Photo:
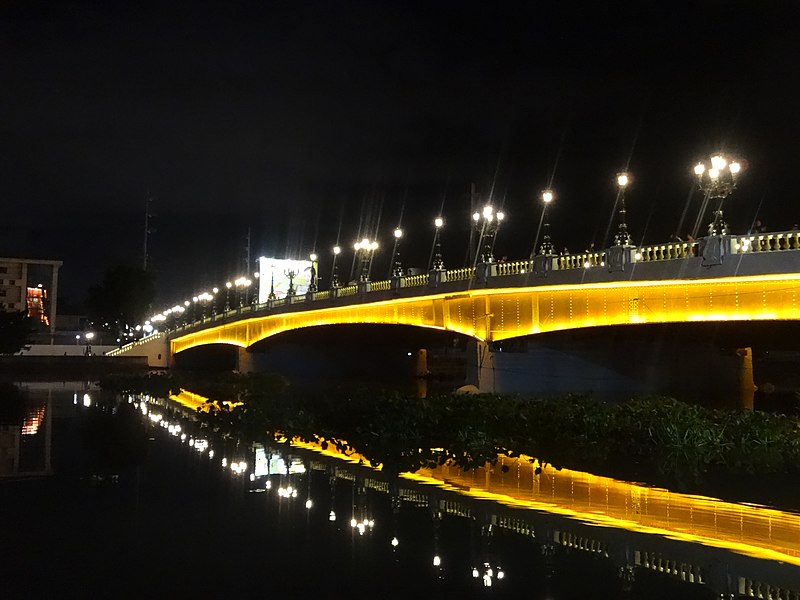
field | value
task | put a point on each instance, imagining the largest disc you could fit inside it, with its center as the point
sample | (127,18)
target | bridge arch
(503,313)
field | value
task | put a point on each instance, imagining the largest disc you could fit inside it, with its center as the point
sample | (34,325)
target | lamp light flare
(438,222)
(718,162)
(548,196)
(623,180)
(735,167)
(501,216)
(313,256)
(699,169)
(398,233)
(337,250)
(476,216)
(713,173)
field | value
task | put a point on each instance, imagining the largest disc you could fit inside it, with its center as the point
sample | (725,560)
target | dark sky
(285,116)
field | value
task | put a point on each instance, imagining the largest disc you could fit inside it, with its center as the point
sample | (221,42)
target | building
(30,285)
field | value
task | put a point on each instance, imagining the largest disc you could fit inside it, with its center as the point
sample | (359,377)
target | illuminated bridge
(715,279)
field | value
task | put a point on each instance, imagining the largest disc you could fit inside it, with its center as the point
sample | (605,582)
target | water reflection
(332,524)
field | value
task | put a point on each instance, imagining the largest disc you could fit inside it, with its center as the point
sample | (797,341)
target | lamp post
(436,251)
(337,250)
(487,222)
(546,249)
(365,248)
(312,280)
(215,291)
(228,286)
(291,274)
(718,179)
(397,268)
(623,238)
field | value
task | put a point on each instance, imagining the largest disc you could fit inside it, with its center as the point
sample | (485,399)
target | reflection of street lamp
(397,269)
(487,223)
(366,249)
(337,250)
(623,238)
(718,180)
(438,263)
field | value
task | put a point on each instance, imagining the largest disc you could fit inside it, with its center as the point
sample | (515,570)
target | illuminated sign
(275,274)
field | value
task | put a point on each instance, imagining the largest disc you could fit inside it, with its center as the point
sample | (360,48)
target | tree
(15,331)
(123,298)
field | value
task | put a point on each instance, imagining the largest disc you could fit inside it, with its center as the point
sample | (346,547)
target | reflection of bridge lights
(488,575)
(238,467)
(224,462)
(210,454)
(287,492)
(363,525)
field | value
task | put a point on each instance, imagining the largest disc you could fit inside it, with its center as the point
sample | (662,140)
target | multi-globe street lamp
(487,223)
(718,179)
(623,238)
(365,249)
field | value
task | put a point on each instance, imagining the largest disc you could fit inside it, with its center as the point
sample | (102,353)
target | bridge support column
(480,366)
(245,362)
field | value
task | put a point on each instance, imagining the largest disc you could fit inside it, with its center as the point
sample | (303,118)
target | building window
(3,293)
(3,269)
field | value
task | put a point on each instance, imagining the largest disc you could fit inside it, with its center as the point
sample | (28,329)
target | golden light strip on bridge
(502,313)
(747,529)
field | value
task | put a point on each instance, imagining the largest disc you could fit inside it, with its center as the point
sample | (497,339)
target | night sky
(288,118)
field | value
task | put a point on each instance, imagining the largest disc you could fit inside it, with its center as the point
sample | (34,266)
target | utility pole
(147,215)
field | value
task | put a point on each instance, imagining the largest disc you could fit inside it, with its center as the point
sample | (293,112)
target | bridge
(719,278)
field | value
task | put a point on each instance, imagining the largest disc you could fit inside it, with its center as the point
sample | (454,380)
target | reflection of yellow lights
(197,402)
(747,529)
(497,314)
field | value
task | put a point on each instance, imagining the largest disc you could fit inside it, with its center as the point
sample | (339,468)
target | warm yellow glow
(438,222)
(718,162)
(547,196)
(743,528)
(623,180)
(735,167)
(699,169)
(196,402)
(498,314)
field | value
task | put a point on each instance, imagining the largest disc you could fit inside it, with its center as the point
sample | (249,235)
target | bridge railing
(512,268)
(670,251)
(416,280)
(460,274)
(767,242)
(582,261)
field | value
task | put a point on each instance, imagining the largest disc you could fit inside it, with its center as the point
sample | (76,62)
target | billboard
(273,274)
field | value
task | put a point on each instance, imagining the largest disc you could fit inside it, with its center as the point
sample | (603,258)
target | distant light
(353,522)
(228,284)
(735,167)
(332,516)
(713,173)
(89,335)
(547,196)
(337,250)
(409,353)
(87,400)
(398,233)
(309,504)
(500,574)
(718,162)
(438,222)
(437,561)
(699,169)
(476,216)
(395,542)
(313,256)
(475,573)
(623,179)
(501,216)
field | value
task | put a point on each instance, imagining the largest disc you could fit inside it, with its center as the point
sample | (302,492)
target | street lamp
(438,263)
(718,179)
(366,249)
(228,286)
(546,249)
(487,222)
(312,283)
(337,250)
(397,269)
(623,238)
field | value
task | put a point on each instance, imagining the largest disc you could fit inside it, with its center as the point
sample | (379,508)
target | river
(126,496)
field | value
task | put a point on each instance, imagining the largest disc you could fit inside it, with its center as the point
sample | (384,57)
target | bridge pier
(615,369)
(245,361)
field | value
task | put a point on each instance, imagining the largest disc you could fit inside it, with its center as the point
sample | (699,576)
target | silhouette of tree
(15,331)
(123,298)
